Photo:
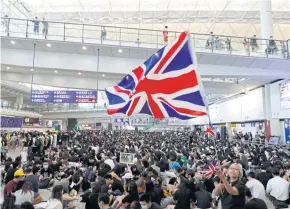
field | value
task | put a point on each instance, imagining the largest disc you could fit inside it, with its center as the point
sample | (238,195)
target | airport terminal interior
(145,104)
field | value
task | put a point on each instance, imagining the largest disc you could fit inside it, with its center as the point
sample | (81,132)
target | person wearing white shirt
(256,187)
(278,187)
(54,139)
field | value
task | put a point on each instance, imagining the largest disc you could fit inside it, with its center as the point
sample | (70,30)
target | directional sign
(63,96)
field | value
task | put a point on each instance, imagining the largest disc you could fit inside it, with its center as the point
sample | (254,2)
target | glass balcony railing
(134,37)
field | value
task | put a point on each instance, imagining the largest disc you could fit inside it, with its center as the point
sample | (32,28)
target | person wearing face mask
(104,201)
(46,176)
(146,202)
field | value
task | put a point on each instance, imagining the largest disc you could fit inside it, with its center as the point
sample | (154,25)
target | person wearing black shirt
(203,197)
(11,171)
(233,192)
(46,176)
(146,201)
(254,203)
(91,199)
(115,184)
(183,196)
(264,176)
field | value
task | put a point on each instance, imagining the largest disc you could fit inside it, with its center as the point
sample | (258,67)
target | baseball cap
(19,173)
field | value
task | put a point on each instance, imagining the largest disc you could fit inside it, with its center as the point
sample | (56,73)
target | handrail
(145,38)
(205,34)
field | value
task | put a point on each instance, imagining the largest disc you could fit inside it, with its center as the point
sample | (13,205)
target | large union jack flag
(166,85)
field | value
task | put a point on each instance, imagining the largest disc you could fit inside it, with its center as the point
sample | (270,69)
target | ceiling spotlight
(101,19)
(48,45)
(31,69)
(8,68)
(120,50)
(55,71)
(12,42)
(20,83)
(84,47)
(139,18)
(103,75)
(79,73)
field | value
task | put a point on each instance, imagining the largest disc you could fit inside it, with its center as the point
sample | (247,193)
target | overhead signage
(285,95)
(63,96)
(31,120)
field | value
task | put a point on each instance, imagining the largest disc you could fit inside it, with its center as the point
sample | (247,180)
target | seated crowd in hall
(180,170)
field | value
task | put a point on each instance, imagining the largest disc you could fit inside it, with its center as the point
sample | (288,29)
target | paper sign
(127,158)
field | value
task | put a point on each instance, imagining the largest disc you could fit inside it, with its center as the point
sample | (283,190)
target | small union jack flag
(209,131)
(208,172)
(166,85)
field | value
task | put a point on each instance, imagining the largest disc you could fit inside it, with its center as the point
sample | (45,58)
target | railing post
(249,47)
(120,38)
(83,32)
(26,28)
(267,47)
(230,45)
(288,49)
(64,31)
(157,39)
(8,29)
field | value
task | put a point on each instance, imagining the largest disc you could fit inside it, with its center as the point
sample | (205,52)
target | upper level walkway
(144,38)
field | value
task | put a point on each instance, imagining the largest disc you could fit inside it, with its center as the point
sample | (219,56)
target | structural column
(229,130)
(272,125)
(266,20)
(19,101)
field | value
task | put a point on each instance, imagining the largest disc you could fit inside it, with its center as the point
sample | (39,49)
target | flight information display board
(285,95)
(63,96)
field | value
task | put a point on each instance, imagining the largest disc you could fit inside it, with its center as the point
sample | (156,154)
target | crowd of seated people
(170,170)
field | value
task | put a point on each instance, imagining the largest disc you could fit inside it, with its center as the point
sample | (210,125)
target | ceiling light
(8,68)
(12,42)
(103,75)
(139,18)
(20,83)
(120,50)
(31,69)
(101,19)
(84,47)
(55,71)
(79,73)
(48,45)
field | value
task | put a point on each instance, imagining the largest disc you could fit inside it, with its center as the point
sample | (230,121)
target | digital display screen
(285,95)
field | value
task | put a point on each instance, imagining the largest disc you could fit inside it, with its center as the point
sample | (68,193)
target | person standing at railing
(272,46)
(253,43)
(246,45)
(45,28)
(165,35)
(5,23)
(228,44)
(103,33)
(36,26)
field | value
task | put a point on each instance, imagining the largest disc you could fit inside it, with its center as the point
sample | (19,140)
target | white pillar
(274,123)
(229,130)
(19,101)
(266,21)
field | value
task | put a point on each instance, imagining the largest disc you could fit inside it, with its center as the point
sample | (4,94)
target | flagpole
(201,88)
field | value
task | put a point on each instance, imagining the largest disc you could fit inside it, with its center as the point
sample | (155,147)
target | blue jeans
(167,201)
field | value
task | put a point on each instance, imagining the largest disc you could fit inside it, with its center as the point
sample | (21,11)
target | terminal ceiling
(224,17)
